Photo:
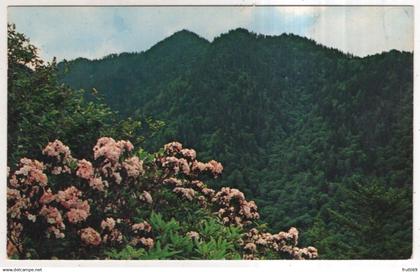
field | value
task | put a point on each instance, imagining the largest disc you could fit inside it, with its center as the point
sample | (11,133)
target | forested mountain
(319,139)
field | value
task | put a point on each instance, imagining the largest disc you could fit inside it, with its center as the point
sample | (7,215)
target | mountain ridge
(185,32)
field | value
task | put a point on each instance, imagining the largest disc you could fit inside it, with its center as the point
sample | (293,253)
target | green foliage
(218,242)
(41,109)
(215,241)
(367,212)
(127,253)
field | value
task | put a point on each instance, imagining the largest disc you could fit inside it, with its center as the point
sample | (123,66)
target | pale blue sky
(93,32)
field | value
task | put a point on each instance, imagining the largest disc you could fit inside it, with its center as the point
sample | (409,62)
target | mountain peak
(185,33)
(240,30)
(237,33)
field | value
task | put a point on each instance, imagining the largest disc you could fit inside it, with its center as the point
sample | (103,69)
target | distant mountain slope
(130,80)
(295,124)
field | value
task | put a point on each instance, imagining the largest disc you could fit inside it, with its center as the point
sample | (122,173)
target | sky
(94,32)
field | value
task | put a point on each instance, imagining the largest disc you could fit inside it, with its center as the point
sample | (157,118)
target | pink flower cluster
(146,197)
(110,234)
(60,157)
(282,242)
(187,193)
(108,223)
(143,226)
(111,150)
(55,220)
(172,148)
(212,167)
(183,160)
(57,150)
(31,172)
(47,197)
(78,209)
(234,208)
(142,235)
(189,154)
(133,167)
(90,236)
(98,184)
(191,190)
(175,165)
(173,182)
(17,203)
(85,171)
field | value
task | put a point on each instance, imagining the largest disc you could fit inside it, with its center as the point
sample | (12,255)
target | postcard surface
(210,132)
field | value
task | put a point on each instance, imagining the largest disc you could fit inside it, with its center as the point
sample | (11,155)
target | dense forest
(319,139)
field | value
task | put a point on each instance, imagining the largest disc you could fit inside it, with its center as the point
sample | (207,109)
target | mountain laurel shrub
(127,204)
